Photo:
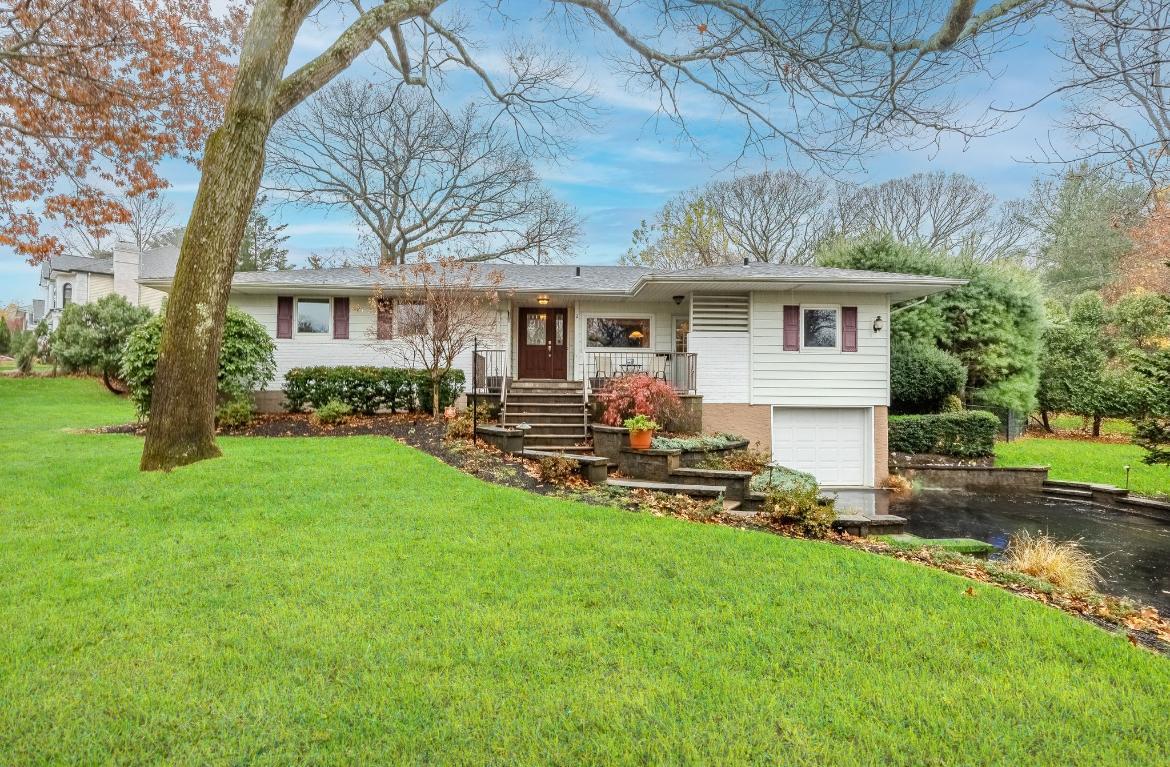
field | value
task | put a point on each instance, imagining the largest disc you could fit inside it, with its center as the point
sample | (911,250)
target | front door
(543,351)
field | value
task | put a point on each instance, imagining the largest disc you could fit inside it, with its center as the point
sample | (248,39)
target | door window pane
(682,326)
(610,332)
(536,332)
(820,328)
(560,330)
(313,315)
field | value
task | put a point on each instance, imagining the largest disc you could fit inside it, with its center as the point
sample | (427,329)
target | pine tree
(262,248)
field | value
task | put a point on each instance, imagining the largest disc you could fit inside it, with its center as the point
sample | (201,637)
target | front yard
(352,600)
(1086,461)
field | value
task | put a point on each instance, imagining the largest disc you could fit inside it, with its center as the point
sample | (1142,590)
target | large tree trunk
(1044,420)
(181,429)
(1096,426)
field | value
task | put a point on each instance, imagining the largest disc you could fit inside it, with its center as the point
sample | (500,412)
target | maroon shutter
(284,311)
(385,318)
(341,317)
(848,328)
(791,328)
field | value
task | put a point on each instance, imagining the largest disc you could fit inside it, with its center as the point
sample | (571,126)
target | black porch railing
(491,371)
(675,368)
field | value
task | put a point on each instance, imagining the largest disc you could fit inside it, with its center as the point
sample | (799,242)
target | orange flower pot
(640,440)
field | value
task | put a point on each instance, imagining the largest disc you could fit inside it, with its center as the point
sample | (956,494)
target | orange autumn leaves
(93,95)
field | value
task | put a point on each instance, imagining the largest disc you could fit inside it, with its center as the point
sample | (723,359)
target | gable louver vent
(720,314)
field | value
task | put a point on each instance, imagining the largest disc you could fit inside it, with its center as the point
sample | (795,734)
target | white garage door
(829,443)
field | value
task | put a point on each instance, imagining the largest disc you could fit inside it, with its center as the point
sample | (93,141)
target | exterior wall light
(542,300)
(678,300)
(878,324)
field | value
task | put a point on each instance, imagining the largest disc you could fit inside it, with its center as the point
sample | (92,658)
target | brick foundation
(881,444)
(752,422)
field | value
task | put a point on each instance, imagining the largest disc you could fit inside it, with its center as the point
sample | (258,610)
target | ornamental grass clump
(1064,564)
(629,396)
(800,505)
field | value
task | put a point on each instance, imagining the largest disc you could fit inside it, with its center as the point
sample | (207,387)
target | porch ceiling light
(878,324)
(678,299)
(542,300)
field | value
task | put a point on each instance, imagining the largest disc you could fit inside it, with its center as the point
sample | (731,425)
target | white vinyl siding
(100,286)
(152,299)
(361,348)
(820,377)
(722,373)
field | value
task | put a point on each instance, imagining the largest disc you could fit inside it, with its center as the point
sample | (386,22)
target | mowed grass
(353,601)
(1084,461)
(1067,422)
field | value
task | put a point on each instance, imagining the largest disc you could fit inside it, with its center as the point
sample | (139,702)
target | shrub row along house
(795,358)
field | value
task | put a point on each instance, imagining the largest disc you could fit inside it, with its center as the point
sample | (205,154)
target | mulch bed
(1077,435)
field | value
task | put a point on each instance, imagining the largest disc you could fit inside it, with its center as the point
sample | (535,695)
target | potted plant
(641,431)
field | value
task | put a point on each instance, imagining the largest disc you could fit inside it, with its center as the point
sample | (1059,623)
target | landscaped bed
(354,600)
(1087,461)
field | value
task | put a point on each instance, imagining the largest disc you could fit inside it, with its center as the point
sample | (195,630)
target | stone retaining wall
(990,478)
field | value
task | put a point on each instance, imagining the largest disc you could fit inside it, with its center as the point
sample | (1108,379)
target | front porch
(492,370)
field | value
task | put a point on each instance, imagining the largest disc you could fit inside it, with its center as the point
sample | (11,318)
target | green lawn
(350,601)
(1075,423)
(1083,461)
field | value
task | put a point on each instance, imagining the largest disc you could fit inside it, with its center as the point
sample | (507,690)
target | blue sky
(632,164)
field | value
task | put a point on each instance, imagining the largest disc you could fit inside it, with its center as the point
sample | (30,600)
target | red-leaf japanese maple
(93,94)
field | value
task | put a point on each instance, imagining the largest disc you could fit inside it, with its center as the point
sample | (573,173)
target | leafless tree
(1116,87)
(777,216)
(151,218)
(430,312)
(943,211)
(826,78)
(419,178)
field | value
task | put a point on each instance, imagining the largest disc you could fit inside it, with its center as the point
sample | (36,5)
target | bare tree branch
(420,180)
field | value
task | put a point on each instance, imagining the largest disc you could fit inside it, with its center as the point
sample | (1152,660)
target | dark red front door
(543,350)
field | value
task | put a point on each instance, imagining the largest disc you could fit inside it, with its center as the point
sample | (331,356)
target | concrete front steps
(555,411)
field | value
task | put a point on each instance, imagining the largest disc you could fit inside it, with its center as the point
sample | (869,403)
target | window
(819,328)
(536,330)
(66,294)
(610,332)
(410,319)
(682,326)
(312,315)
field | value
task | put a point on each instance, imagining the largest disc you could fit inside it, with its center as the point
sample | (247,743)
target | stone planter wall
(609,440)
(505,439)
(655,465)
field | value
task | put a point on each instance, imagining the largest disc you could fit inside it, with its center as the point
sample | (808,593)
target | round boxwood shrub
(246,358)
(922,377)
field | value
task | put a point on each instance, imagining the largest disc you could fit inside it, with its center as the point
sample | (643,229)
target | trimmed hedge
(367,389)
(969,434)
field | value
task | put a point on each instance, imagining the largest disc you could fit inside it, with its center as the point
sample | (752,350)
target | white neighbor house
(77,279)
(795,358)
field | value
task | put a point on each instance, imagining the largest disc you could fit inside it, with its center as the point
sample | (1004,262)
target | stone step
(546,436)
(1068,492)
(544,400)
(563,449)
(697,491)
(537,419)
(1065,483)
(559,386)
(553,429)
(730,505)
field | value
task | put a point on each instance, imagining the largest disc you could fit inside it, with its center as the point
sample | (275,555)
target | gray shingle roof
(159,263)
(82,264)
(549,277)
(560,278)
(761,270)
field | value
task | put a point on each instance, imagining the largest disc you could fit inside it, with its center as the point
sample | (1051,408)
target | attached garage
(832,444)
